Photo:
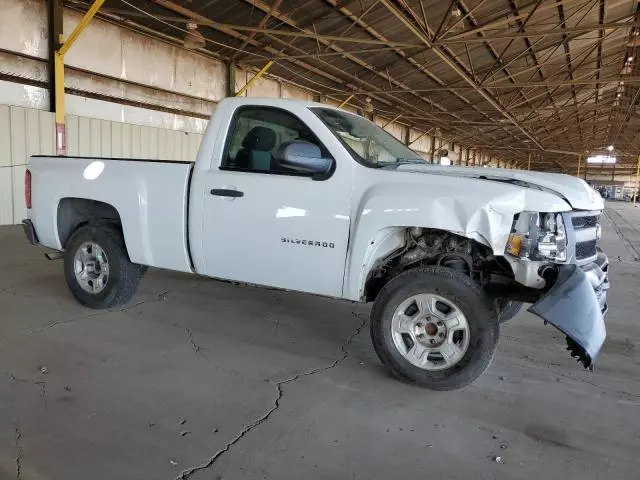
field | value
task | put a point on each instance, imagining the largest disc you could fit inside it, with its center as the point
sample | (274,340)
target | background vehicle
(305,197)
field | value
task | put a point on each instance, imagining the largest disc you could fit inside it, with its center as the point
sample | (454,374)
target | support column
(529,162)
(579,164)
(59,106)
(407,136)
(58,72)
(635,194)
(55,34)
(231,79)
(433,148)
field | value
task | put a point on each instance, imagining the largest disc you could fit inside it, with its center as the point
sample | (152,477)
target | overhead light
(630,59)
(193,39)
(610,148)
(601,159)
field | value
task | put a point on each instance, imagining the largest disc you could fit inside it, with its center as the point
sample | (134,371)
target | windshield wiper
(404,161)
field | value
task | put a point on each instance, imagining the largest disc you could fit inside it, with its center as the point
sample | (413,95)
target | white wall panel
(19,208)
(23,24)
(264,87)
(6,195)
(296,93)
(199,76)
(25,132)
(5,136)
(421,144)
(98,49)
(18,130)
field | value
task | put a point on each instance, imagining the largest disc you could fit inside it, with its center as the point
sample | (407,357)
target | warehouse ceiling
(550,78)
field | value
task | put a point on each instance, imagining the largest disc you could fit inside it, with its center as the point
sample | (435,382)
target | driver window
(259,136)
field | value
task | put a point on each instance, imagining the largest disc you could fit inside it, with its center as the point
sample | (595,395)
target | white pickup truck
(302,196)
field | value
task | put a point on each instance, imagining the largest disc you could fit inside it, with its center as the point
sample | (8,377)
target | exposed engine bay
(424,246)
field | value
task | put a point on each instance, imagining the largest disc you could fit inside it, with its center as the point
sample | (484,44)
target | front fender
(390,201)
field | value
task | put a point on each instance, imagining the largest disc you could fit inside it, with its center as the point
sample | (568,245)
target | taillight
(27,188)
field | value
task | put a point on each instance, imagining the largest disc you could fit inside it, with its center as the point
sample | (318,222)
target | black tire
(476,306)
(509,309)
(123,278)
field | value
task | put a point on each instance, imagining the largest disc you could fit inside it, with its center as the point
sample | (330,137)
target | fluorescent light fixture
(610,148)
(601,159)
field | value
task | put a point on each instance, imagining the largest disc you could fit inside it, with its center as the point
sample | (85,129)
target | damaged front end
(565,275)
(576,304)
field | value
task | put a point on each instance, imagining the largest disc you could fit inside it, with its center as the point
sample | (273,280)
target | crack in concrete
(39,383)
(196,348)
(17,440)
(186,474)
(160,296)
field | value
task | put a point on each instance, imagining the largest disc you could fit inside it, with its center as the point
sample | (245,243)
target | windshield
(367,142)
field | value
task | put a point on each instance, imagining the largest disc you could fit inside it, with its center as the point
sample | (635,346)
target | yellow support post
(347,100)
(61,126)
(579,163)
(68,43)
(391,121)
(635,194)
(254,78)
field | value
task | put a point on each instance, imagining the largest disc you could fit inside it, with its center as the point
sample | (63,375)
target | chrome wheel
(430,331)
(91,267)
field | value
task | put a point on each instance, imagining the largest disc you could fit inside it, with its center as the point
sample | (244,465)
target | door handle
(227,192)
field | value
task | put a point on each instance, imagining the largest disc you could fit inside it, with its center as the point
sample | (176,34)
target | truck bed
(149,196)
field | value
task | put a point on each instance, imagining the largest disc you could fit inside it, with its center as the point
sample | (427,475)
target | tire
(118,280)
(509,310)
(453,291)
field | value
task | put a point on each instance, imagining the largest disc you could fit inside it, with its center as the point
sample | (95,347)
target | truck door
(265,221)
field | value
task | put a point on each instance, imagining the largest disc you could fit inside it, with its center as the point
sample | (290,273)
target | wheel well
(73,213)
(428,246)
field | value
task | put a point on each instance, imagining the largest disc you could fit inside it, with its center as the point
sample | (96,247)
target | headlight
(538,236)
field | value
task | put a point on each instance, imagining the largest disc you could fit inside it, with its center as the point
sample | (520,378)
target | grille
(584,222)
(586,249)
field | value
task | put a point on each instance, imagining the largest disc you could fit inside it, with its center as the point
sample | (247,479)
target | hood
(572,189)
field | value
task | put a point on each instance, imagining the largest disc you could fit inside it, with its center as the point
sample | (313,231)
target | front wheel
(434,327)
(97,267)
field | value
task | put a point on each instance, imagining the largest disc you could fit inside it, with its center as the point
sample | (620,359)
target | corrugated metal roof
(503,75)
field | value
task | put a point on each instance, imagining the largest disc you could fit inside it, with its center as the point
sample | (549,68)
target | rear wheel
(97,268)
(434,327)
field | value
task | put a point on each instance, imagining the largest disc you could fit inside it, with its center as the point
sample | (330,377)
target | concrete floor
(242,383)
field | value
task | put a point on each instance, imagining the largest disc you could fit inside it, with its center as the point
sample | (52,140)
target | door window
(259,136)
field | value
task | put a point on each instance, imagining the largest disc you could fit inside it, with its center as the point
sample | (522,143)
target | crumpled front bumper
(576,305)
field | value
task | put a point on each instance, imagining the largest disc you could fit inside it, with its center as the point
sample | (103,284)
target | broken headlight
(538,236)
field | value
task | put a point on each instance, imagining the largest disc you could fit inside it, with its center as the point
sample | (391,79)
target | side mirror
(304,157)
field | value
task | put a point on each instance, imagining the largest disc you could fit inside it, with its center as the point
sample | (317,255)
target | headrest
(260,138)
